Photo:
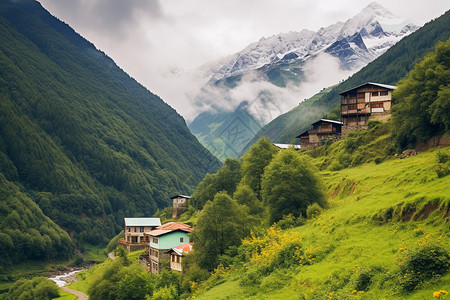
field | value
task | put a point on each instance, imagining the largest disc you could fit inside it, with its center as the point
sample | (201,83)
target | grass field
(378,214)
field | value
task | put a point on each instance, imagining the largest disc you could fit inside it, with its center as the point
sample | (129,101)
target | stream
(65,278)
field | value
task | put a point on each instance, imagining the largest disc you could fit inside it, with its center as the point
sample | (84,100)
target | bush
(442,167)
(313,211)
(378,160)
(423,263)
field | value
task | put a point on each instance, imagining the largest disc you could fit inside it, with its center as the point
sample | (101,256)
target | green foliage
(389,68)
(134,286)
(290,221)
(38,288)
(442,167)
(114,242)
(244,195)
(423,263)
(289,185)
(313,211)
(221,224)
(86,142)
(420,103)
(374,144)
(254,163)
(226,179)
(25,232)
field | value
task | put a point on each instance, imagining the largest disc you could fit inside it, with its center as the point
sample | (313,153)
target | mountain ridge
(79,136)
(271,74)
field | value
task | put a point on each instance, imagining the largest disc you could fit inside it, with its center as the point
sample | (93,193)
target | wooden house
(162,239)
(359,105)
(135,229)
(321,130)
(179,203)
(176,255)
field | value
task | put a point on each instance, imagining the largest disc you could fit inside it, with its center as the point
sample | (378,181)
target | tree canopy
(221,224)
(421,103)
(289,185)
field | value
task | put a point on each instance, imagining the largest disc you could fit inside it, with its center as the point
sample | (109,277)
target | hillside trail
(80,295)
(111,256)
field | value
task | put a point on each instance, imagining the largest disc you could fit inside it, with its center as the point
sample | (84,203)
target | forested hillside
(388,69)
(80,138)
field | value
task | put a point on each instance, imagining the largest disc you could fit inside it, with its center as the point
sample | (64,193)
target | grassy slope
(350,240)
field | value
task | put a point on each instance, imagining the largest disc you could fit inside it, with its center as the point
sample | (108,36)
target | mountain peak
(377,9)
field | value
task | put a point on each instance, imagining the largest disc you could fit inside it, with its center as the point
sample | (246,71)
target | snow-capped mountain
(355,42)
(271,76)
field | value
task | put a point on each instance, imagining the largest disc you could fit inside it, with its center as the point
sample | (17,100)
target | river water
(65,278)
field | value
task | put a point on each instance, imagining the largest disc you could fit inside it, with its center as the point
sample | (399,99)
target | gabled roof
(142,222)
(170,227)
(328,121)
(181,196)
(183,248)
(386,86)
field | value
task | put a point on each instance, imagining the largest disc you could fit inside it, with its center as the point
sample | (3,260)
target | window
(129,229)
(374,94)
(178,259)
(384,93)
(135,229)
(351,106)
(376,105)
(181,240)
(155,240)
(141,229)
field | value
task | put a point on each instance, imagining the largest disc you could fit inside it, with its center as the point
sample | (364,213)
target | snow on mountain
(362,38)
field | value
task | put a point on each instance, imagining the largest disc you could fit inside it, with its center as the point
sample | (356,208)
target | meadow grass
(377,213)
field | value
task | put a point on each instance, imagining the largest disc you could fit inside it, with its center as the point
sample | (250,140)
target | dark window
(155,240)
(181,240)
(374,94)
(142,229)
(384,93)
(376,105)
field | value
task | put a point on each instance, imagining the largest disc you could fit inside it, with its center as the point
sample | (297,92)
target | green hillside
(356,248)
(388,69)
(79,137)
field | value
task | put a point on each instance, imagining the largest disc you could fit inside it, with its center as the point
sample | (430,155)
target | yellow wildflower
(442,292)
(354,292)
(436,295)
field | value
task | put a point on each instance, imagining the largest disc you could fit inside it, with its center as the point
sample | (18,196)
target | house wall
(135,231)
(179,204)
(175,262)
(169,240)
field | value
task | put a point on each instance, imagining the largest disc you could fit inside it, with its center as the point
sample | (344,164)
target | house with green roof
(134,232)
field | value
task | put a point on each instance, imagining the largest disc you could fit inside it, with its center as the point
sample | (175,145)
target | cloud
(264,100)
(160,42)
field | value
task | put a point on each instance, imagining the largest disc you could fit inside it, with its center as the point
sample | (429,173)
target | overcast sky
(159,41)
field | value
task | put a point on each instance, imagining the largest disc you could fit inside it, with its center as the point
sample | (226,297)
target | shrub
(423,263)
(378,160)
(442,167)
(313,211)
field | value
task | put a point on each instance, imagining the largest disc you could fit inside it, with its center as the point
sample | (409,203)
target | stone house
(134,232)
(321,130)
(179,205)
(361,104)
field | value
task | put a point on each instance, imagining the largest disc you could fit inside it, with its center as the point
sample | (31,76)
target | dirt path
(80,295)
(111,255)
